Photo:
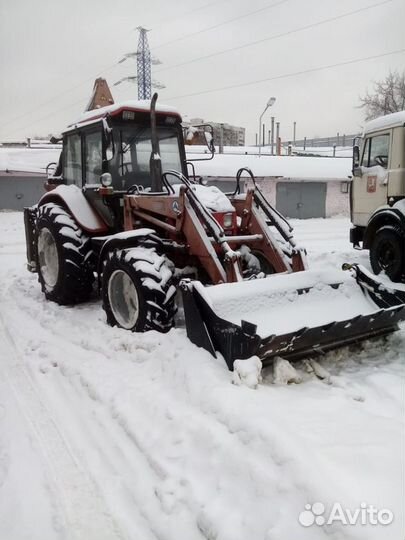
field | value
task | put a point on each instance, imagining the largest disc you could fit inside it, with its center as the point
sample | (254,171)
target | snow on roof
(223,165)
(28,159)
(387,121)
(96,114)
(303,168)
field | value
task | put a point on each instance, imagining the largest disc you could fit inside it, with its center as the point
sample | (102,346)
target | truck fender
(385,215)
(72,198)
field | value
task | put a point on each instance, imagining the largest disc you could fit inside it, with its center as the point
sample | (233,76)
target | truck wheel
(138,291)
(64,257)
(387,252)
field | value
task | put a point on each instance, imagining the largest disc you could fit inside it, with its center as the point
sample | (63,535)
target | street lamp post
(270,102)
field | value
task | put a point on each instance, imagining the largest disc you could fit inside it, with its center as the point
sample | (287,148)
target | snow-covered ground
(110,435)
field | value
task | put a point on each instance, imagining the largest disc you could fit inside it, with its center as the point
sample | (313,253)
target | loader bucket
(291,315)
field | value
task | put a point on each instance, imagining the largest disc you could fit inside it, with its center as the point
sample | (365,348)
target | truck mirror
(356,160)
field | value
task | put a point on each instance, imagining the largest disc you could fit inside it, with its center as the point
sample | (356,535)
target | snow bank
(27,159)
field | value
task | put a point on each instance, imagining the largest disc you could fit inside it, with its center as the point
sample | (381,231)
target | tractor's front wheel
(65,270)
(138,291)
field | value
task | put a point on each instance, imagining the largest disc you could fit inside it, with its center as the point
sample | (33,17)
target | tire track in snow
(106,432)
(210,419)
(87,517)
(138,474)
(229,440)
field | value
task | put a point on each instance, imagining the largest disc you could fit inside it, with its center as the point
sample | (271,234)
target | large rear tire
(387,252)
(64,257)
(138,291)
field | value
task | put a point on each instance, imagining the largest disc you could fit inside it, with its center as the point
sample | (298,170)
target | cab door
(370,190)
(92,154)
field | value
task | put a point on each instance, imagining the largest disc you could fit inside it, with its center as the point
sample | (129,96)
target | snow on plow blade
(291,315)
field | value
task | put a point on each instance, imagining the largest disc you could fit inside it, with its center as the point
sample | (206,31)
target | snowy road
(107,435)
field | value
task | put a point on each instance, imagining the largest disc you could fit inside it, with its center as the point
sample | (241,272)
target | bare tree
(388,96)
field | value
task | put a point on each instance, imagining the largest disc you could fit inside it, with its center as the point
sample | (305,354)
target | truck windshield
(130,165)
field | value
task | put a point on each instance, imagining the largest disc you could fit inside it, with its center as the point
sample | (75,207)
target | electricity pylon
(144,61)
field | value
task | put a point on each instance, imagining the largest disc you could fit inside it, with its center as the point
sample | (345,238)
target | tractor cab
(110,148)
(119,149)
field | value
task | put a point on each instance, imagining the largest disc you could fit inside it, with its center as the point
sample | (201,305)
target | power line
(251,83)
(275,36)
(303,72)
(180,38)
(112,66)
(218,53)
(205,6)
(56,97)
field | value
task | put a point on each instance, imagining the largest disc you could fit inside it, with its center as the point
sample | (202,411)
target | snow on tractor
(122,211)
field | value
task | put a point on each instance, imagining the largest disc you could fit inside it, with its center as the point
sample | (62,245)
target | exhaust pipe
(155,162)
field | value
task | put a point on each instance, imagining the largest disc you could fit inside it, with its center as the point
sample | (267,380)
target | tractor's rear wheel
(64,257)
(138,291)
(387,252)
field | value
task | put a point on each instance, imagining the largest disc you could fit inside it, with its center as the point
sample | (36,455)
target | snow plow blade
(291,315)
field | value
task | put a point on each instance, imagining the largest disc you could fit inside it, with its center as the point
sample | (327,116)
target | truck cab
(378,192)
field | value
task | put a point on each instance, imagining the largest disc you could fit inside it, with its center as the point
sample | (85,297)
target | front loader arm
(186,220)
(201,246)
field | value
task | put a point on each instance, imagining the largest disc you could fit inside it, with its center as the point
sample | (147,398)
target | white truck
(377,195)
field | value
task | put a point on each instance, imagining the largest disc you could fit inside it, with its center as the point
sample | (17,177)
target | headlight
(228,218)
(106,179)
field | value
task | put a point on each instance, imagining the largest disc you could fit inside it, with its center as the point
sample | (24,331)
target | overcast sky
(52,50)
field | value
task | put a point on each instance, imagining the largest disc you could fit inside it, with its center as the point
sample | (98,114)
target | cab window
(376,151)
(72,167)
(366,153)
(131,161)
(93,157)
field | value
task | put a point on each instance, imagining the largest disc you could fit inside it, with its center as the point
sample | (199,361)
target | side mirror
(356,169)
(50,169)
(108,140)
(55,140)
(201,135)
(110,150)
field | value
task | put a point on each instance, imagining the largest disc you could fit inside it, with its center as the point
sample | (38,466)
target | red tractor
(121,210)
